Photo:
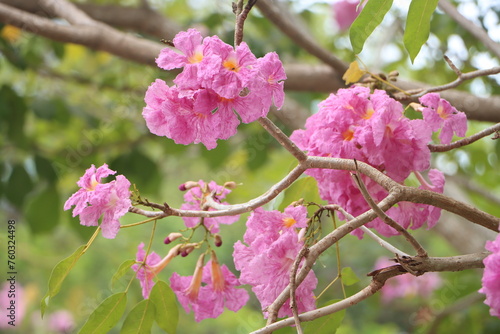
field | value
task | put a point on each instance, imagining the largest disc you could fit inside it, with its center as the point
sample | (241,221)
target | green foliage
(59,273)
(348,276)
(305,188)
(122,270)
(106,315)
(328,324)
(43,210)
(418,25)
(140,319)
(167,313)
(370,18)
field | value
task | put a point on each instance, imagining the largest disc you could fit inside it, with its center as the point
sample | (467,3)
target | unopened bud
(187,249)
(298,202)
(188,185)
(230,185)
(217,240)
(171,237)
(301,235)
(393,75)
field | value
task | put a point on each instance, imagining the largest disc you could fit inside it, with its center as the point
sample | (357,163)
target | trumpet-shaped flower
(148,268)
(440,114)
(95,199)
(491,277)
(211,288)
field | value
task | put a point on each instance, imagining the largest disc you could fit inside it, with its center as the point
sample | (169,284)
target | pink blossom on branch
(266,261)
(195,199)
(95,199)
(148,268)
(491,277)
(211,288)
(218,83)
(440,114)
(370,127)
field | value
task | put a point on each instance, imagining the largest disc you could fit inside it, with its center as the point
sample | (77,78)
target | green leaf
(348,276)
(326,325)
(418,25)
(140,319)
(124,267)
(43,211)
(106,315)
(18,186)
(167,314)
(370,17)
(45,169)
(12,115)
(306,188)
(59,273)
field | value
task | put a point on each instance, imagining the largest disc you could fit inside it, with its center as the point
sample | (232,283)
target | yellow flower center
(348,135)
(441,113)
(289,222)
(231,64)
(195,58)
(368,114)
(93,183)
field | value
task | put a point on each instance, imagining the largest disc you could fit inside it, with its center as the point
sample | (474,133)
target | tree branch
(67,11)
(281,17)
(464,141)
(476,31)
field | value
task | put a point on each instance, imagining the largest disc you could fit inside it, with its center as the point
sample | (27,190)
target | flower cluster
(491,277)
(217,80)
(372,127)
(407,285)
(195,197)
(95,199)
(208,290)
(265,264)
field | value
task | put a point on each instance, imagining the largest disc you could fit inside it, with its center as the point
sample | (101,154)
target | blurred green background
(64,107)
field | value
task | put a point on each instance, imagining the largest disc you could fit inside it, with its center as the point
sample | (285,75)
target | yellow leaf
(353,73)
(10,33)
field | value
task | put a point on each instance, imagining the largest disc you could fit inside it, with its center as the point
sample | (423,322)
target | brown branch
(241,16)
(281,17)
(462,77)
(67,11)
(99,37)
(282,139)
(468,25)
(293,286)
(385,218)
(464,141)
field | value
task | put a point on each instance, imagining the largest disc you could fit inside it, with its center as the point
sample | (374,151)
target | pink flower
(345,12)
(95,199)
(372,128)
(209,300)
(195,199)
(61,322)
(440,114)
(265,264)
(148,268)
(491,277)
(217,81)
(407,285)
(12,314)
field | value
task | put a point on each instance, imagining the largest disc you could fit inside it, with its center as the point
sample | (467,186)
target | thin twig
(293,286)
(241,16)
(470,26)
(275,12)
(370,233)
(385,218)
(282,138)
(462,78)
(464,141)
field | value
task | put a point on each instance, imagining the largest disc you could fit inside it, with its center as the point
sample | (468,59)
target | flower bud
(188,185)
(171,237)
(217,240)
(230,185)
